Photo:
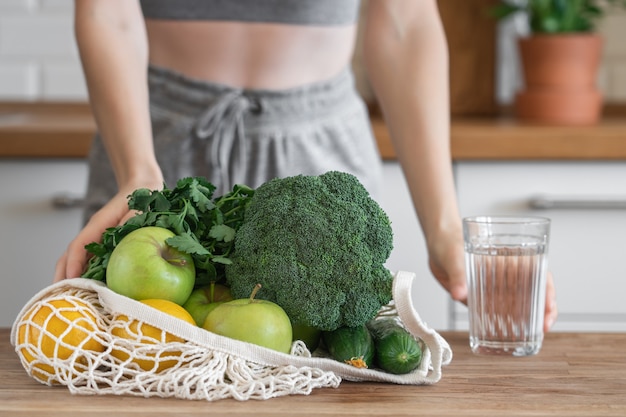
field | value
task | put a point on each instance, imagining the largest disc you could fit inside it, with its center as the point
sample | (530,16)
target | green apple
(203,300)
(143,266)
(261,322)
(309,335)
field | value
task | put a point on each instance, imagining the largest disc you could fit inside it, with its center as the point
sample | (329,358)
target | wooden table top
(574,375)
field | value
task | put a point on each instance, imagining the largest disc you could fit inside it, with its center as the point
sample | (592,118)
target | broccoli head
(317,245)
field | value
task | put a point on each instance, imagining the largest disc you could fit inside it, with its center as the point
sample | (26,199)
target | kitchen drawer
(34,231)
(587,204)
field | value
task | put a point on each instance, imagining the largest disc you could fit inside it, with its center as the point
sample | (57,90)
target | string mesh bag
(80,334)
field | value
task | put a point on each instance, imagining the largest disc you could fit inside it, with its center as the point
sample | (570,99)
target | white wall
(39,58)
(38,55)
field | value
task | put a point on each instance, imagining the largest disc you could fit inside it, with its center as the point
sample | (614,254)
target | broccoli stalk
(317,245)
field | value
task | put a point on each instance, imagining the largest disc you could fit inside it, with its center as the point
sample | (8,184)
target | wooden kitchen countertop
(57,130)
(573,375)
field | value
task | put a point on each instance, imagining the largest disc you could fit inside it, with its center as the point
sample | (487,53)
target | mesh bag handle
(178,359)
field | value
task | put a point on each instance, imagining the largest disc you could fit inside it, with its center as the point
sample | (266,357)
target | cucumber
(397,351)
(351,345)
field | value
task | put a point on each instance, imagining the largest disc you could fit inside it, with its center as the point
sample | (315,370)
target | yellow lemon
(55,329)
(135,330)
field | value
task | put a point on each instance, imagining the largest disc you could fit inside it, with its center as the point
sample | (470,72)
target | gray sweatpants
(247,136)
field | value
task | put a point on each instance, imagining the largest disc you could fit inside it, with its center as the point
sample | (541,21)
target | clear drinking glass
(506,265)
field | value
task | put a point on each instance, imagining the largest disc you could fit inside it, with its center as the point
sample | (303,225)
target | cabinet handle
(593,203)
(64,201)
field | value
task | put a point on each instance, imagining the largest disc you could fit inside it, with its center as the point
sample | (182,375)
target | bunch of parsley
(205,227)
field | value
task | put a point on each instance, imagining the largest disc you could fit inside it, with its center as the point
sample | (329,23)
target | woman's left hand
(447,264)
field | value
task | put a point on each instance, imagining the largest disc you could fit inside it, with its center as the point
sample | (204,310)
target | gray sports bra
(296,12)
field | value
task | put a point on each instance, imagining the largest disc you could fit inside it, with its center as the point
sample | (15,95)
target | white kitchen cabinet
(34,232)
(409,254)
(587,246)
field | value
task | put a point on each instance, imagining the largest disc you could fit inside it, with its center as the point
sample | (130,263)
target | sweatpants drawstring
(223,121)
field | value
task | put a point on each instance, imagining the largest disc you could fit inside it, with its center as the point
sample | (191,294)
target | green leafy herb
(205,227)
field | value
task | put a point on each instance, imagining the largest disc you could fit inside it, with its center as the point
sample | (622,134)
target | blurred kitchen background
(39,59)
(45,128)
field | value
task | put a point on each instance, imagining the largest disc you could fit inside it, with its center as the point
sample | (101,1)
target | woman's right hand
(74,260)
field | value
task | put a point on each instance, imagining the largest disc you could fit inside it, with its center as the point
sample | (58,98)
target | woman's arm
(406,55)
(114,52)
(113,49)
(407,62)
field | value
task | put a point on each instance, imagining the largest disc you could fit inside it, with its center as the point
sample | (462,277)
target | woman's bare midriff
(251,55)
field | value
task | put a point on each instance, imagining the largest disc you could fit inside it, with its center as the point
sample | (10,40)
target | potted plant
(560,59)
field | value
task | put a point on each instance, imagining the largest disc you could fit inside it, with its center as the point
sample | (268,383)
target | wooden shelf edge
(45,145)
(65,130)
(486,139)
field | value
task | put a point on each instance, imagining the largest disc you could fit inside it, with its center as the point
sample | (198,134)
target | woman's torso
(274,46)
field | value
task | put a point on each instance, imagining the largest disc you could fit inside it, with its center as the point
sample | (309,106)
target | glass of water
(506,265)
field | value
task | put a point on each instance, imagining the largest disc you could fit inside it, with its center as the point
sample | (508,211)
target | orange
(68,324)
(145,333)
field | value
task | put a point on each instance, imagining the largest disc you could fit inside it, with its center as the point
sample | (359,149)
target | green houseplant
(558,16)
(560,59)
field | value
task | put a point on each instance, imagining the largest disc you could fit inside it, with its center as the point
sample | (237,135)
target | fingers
(458,288)
(128,215)
(551,311)
(59,269)
(451,276)
(70,265)
(447,264)
(74,261)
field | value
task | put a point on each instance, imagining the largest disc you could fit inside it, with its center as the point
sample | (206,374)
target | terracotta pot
(560,107)
(560,76)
